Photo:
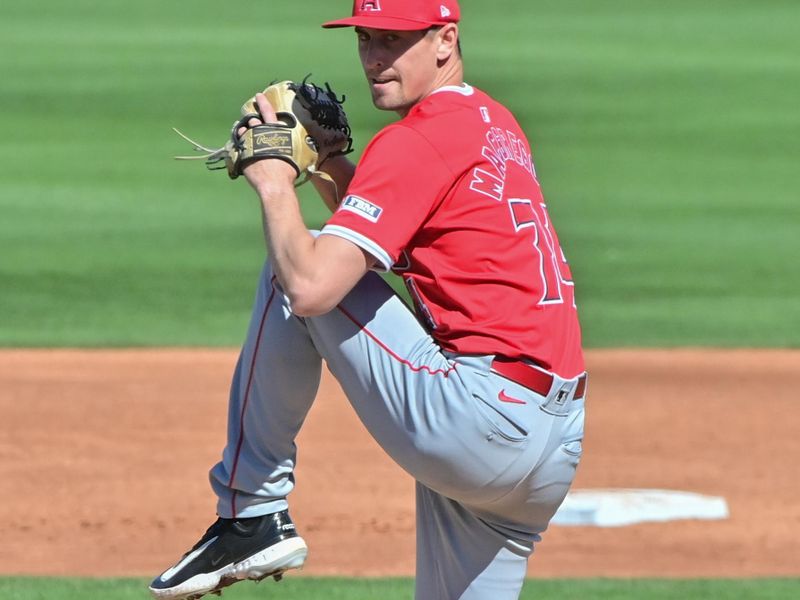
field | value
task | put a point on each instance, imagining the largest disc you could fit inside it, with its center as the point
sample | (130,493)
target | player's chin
(388,102)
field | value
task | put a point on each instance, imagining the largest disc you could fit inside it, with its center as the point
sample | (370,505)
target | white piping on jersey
(362,242)
(463,89)
(365,243)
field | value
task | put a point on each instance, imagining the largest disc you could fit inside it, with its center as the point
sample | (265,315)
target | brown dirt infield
(104,455)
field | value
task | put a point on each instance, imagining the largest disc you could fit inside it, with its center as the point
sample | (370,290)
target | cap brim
(390,23)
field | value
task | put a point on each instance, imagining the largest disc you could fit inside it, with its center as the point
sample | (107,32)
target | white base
(619,507)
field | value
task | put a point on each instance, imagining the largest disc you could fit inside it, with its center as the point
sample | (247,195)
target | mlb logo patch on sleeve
(361,207)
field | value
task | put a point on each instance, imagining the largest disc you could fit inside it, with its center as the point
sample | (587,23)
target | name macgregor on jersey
(503,146)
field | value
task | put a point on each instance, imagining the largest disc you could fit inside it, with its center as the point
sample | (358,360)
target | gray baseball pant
(490,474)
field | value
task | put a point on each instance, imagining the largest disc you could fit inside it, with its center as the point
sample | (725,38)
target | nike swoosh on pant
(169,573)
(503,397)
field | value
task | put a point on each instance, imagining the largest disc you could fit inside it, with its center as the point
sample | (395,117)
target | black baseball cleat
(233,550)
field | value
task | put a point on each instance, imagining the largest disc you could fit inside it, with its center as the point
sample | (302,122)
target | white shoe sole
(272,561)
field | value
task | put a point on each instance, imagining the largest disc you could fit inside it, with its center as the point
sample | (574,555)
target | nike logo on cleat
(169,573)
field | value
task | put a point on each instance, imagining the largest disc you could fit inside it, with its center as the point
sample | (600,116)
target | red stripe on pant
(247,399)
(393,354)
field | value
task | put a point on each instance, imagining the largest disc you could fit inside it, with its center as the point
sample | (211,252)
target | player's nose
(372,57)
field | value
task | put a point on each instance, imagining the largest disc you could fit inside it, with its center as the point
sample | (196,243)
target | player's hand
(267,173)
(266,110)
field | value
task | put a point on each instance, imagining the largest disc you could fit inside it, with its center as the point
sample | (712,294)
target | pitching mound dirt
(104,459)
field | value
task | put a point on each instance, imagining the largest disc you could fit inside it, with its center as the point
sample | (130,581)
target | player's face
(401,66)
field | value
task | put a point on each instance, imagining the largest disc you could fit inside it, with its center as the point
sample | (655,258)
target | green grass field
(665,135)
(305,588)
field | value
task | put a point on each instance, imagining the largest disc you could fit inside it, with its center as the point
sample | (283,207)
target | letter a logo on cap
(444,10)
(371,6)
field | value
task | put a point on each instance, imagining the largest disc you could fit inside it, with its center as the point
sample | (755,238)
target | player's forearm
(289,243)
(315,273)
(341,171)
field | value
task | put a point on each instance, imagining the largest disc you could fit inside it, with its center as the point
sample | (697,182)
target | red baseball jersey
(448,198)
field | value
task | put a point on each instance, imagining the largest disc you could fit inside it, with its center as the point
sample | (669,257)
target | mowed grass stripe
(323,588)
(665,136)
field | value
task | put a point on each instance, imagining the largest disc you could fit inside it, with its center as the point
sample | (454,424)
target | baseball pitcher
(477,392)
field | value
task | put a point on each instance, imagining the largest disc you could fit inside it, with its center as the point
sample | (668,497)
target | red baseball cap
(400,15)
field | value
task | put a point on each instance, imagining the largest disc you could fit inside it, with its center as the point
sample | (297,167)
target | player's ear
(447,38)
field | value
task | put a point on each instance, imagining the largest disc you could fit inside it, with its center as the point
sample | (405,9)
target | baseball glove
(312,127)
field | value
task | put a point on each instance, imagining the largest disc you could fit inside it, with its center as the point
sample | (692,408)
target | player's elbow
(307,300)
(337,268)
(305,308)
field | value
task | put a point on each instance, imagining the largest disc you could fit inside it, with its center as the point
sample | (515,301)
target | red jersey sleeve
(399,181)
